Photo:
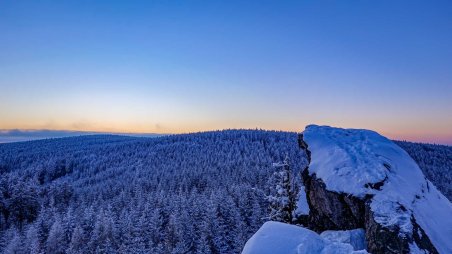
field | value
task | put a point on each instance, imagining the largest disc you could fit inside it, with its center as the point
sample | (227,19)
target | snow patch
(414,249)
(302,203)
(276,237)
(355,237)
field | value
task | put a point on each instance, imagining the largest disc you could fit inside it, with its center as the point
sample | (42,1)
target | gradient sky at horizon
(184,66)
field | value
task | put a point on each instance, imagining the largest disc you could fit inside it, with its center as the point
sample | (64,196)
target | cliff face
(372,205)
(330,210)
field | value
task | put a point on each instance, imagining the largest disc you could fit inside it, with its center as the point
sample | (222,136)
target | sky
(186,66)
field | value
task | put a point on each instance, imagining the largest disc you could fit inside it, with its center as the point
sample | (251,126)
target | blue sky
(181,66)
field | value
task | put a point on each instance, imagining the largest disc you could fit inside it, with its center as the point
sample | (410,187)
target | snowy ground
(276,237)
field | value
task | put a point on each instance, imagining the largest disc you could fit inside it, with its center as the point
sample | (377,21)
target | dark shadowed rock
(381,239)
(330,210)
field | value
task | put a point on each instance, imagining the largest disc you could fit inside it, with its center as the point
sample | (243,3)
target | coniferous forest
(190,193)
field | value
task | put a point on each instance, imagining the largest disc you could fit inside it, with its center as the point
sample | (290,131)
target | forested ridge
(189,193)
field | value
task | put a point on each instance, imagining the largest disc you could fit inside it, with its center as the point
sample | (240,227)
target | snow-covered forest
(435,162)
(191,193)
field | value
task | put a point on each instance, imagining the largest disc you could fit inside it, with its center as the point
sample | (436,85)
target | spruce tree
(284,193)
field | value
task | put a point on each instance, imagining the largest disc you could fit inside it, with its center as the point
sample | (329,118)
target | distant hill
(18,135)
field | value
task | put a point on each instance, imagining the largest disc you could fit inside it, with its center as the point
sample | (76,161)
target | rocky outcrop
(331,210)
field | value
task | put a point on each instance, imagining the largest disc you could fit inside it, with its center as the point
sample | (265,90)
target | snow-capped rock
(358,178)
(276,237)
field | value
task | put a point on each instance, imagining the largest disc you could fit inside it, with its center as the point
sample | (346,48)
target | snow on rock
(279,238)
(366,165)
(355,237)
(302,203)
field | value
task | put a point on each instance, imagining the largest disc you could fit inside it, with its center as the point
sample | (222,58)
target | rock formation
(359,179)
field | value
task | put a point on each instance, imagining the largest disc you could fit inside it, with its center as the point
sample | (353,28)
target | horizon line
(23,135)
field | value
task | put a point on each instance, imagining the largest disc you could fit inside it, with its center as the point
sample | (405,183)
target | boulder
(359,179)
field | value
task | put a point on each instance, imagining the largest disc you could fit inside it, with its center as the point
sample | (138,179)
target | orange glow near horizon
(437,135)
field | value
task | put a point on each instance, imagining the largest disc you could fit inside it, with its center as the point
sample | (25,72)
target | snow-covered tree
(78,243)
(283,198)
(33,245)
(15,245)
(56,239)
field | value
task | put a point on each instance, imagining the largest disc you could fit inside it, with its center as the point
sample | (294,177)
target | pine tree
(156,227)
(32,240)
(56,237)
(203,241)
(77,241)
(283,199)
(15,244)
